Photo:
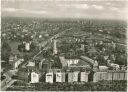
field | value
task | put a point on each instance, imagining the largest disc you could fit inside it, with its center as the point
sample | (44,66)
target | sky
(65,9)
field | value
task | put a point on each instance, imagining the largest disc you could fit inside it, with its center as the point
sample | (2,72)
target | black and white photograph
(64,45)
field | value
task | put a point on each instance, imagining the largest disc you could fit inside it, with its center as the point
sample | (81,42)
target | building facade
(34,77)
(84,77)
(60,77)
(49,77)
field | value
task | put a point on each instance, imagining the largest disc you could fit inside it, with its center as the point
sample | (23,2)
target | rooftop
(87,59)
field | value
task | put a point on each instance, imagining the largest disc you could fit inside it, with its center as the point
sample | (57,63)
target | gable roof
(87,59)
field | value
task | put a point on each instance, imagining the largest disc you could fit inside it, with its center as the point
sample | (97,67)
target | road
(49,40)
(43,44)
(7,82)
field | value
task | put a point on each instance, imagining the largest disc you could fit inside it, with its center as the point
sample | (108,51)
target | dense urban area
(63,54)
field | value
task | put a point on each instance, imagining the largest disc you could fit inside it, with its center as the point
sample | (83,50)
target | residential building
(60,77)
(30,65)
(84,76)
(72,61)
(34,77)
(16,63)
(73,76)
(49,77)
(63,61)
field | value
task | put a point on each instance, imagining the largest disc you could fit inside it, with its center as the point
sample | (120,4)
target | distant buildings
(15,62)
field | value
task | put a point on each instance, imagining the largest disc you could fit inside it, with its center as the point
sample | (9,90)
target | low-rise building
(63,61)
(123,67)
(103,68)
(12,58)
(72,61)
(115,66)
(17,63)
(30,65)
(68,62)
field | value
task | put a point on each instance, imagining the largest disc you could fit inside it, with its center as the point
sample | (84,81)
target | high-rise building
(49,77)
(34,77)
(60,77)
(84,77)
(73,76)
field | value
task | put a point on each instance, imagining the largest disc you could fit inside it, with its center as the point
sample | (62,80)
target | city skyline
(66,9)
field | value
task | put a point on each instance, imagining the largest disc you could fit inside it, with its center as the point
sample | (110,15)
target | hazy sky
(65,9)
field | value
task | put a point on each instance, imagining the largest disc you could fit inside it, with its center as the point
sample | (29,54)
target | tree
(57,63)
(32,46)
(121,59)
(5,51)
(21,47)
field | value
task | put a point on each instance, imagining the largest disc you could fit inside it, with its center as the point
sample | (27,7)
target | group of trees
(5,51)
(57,63)
(89,86)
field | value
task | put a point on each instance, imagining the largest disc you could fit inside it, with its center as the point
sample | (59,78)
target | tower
(27,46)
(54,46)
